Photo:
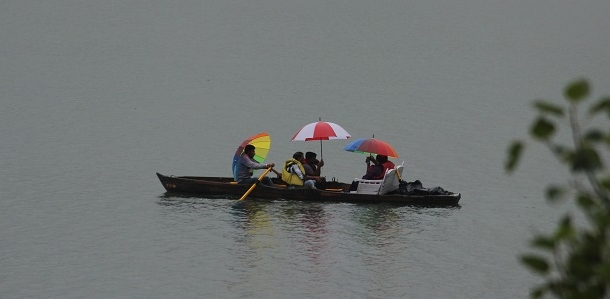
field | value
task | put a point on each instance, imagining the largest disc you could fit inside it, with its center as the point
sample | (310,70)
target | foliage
(574,261)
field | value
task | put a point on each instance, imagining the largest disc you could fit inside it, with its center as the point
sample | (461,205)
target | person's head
(381,159)
(298,156)
(311,157)
(249,150)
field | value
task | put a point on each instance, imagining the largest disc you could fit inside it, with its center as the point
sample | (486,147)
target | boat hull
(335,192)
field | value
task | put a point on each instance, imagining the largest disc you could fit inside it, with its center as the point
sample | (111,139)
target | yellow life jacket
(289,177)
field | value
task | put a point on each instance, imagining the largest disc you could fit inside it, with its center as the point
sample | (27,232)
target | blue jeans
(250,181)
(311,184)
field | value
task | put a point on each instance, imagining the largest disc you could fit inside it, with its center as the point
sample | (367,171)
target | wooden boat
(225,187)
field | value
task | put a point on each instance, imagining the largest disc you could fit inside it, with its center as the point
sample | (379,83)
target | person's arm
(319,168)
(369,160)
(253,164)
(373,172)
(296,170)
(310,174)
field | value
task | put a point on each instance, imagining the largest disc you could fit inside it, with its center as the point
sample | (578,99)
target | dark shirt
(308,169)
(314,167)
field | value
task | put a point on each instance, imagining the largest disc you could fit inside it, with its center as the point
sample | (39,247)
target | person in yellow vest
(294,174)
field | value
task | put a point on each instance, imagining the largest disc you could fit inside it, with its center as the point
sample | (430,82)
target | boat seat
(389,183)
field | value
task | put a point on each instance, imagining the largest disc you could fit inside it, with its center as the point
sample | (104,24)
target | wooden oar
(279,175)
(254,185)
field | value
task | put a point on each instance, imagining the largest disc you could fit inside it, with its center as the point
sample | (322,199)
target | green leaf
(564,229)
(594,135)
(604,182)
(586,159)
(577,90)
(604,270)
(585,201)
(555,193)
(602,105)
(544,242)
(549,108)
(514,155)
(535,263)
(538,292)
(542,129)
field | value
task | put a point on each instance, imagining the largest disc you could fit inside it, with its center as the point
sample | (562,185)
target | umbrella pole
(321,156)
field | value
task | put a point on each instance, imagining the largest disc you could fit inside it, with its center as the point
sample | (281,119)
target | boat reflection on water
(378,223)
(269,244)
(309,224)
(304,225)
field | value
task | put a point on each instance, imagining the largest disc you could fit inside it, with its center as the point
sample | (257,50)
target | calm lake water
(97,96)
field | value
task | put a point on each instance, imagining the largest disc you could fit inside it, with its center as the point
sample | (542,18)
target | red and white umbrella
(321,130)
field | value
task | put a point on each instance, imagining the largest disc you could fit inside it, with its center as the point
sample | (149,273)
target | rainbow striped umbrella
(371,146)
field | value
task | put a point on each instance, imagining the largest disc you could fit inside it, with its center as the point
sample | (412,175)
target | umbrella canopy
(321,130)
(371,146)
(262,143)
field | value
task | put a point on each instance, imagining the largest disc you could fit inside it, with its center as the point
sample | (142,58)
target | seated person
(313,167)
(293,172)
(376,171)
(382,161)
(246,166)
(313,163)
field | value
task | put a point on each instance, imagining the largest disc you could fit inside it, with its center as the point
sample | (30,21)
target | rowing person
(246,166)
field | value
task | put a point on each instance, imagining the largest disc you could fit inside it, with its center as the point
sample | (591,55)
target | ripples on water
(328,248)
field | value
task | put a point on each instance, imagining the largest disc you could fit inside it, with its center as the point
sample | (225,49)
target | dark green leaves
(574,259)
(548,108)
(555,193)
(585,202)
(586,159)
(577,90)
(514,154)
(604,182)
(594,135)
(544,242)
(602,106)
(542,129)
(535,263)
(565,230)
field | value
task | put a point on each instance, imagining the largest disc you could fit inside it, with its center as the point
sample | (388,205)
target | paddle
(254,185)
(279,175)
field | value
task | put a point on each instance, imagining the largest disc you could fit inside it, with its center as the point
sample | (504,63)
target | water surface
(95,97)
